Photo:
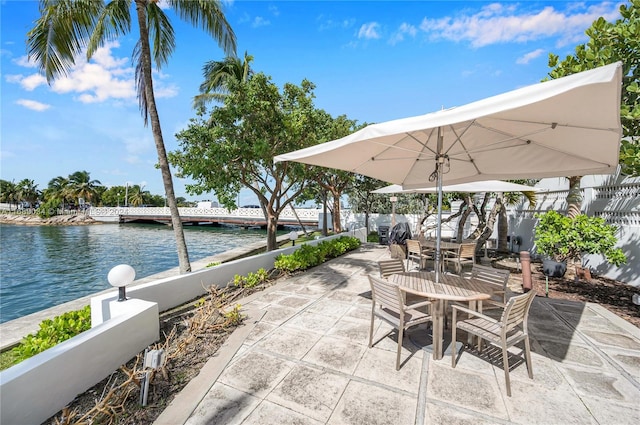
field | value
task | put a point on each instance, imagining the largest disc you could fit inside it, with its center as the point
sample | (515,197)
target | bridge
(243,217)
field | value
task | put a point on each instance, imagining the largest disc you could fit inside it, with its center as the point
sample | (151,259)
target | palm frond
(113,22)
(61,33)
(140,83)
(208,15)
(161,34)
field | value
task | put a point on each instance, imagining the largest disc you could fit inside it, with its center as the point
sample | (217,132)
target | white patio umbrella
(569,126)
(472,187)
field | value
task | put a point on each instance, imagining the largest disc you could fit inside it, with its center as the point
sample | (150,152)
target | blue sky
(370,60)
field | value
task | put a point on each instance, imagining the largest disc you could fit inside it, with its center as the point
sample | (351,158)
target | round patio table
(450,288)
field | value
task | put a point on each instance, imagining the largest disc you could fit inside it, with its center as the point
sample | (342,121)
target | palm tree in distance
(66,29)
(82,187)
(137,195)
(217,75)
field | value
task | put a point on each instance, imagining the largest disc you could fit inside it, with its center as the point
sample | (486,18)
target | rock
(58,220)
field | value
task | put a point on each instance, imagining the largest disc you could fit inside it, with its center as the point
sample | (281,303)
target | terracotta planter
(583,273)
(554,268)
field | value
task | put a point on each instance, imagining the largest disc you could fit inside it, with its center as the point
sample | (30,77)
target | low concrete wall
(40,386)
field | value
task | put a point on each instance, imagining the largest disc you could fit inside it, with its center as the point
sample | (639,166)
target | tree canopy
(610,42)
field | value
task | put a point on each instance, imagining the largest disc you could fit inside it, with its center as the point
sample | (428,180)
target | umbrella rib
(554,124)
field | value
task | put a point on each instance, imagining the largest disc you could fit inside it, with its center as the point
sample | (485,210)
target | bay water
(43,266)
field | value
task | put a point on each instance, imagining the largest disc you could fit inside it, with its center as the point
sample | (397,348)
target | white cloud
(404,29)
(259,21)
(33,105)
(499,23)
(525,59)
(24,62)
(369,31)
(105,77)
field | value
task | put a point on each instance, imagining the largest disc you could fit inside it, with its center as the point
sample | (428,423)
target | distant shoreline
(57,220)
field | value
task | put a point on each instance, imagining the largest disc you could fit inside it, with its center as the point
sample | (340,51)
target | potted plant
(561,239)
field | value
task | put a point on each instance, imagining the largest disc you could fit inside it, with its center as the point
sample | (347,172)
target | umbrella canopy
(473,187)
(569,126)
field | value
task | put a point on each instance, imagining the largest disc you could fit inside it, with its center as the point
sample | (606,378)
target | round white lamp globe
(120,276)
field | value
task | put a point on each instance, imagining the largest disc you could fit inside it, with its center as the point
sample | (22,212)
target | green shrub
(53,332)
(308,256)
(252,279)
(48,209)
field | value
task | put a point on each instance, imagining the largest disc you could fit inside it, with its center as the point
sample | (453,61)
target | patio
(303,358)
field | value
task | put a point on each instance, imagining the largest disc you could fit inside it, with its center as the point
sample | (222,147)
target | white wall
(40,386)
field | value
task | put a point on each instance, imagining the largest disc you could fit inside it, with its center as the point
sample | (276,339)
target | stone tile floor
(303,358)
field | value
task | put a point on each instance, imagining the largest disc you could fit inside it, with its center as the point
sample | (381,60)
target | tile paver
(307,361)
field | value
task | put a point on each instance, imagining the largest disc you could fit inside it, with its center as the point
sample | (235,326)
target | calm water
(43,266)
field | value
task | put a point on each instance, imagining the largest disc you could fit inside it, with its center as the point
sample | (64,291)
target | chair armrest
(473,312)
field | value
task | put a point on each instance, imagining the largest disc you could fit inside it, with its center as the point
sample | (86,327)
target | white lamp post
(393,200)
(120,276)
(293,236)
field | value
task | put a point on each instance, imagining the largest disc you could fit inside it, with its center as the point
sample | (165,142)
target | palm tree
(217,75)
(137,195)
(58,190)
(28,191)
(66,28)
(8,192)
(81,186)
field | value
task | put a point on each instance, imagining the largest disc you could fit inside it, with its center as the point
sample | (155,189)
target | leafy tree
(360,197)
(218,74)
(66,28)
(236,146)
(333,181)
(609,43)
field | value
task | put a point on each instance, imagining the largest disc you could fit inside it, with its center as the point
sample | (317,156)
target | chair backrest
(389,267)
(498,277)
(517,311)
(414,246)
(467,250)
(385,294)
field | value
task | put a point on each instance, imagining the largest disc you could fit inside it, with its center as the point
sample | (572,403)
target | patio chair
(466,254)
(498,278)
(510,329)
(388,304)
(415,253)
(395,265)
(389,267)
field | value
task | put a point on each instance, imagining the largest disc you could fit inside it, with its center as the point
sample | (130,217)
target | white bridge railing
(305,214)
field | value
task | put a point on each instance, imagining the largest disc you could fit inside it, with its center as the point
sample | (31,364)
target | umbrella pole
(439,165)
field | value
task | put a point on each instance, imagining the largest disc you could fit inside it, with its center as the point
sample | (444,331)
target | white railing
(305,214)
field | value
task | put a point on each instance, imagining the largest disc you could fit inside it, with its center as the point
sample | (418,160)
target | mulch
(614,295)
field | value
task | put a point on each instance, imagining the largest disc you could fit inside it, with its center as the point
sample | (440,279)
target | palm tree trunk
(145,57)
(574,198)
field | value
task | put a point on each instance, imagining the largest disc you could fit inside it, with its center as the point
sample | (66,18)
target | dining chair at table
(497,278)
(415,252)
(389,305)
(505,332)
(389,267)
(464,255)
(396,265)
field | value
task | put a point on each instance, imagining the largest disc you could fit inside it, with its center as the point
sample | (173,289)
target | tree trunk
(337,225)
(487,230)
(324,215)
(466,212)
(272,227)
(574,198)
(503,227)
(145,58)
